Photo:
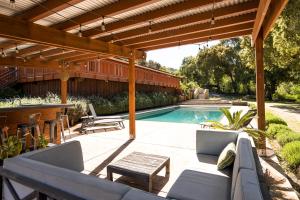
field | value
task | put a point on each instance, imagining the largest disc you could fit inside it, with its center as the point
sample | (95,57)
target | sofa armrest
(212,142)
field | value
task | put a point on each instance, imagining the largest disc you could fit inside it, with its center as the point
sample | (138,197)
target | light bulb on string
(41,56)
(80,31)
(103,24)
(212,21)
(150,28)
(17,49)
(12,4)
(3,54)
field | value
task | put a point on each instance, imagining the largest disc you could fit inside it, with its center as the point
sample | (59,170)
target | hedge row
(290,141)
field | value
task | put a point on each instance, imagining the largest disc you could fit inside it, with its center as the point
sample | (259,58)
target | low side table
(140,166)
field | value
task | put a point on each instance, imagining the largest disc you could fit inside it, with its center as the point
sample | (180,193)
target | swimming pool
(191,115)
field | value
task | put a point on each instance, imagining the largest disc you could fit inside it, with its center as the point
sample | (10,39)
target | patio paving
(174,140)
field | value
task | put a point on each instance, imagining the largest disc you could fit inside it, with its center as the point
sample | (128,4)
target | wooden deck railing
(108,70)
(8,77)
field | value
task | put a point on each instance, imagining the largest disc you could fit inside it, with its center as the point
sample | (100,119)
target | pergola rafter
(235,10)
(150,16)
(205,34)
(109,10)
(201,39)
(223,23)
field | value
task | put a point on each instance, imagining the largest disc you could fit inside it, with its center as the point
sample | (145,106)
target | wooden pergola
(61,34)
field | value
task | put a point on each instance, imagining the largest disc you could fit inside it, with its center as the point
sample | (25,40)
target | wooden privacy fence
(106,70)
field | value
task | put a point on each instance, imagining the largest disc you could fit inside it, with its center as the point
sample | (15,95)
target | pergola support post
(260,89)
(131,83)
(64,86)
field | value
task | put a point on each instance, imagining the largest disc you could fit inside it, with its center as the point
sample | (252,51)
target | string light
(150,28)
(3,54)
(41,56)
(212,14)
(17,50)
(80,31)
(103,24)
(199,47)
(213,21)
(112,38)
(12,3)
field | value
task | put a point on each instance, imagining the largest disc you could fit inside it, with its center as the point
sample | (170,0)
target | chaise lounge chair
(90,122)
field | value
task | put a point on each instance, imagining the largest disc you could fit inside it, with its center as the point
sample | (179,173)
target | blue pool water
(190,115)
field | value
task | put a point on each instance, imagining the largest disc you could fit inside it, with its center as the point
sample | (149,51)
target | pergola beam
(30,32)
(275,10)
(198,28)
(204,34)
(234,10)
(12,61)
(81,57)
(66,55)
(198,40)
(151,15)
(260,16)
(108,10)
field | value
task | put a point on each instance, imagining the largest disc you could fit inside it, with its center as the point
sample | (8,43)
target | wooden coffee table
(140,166)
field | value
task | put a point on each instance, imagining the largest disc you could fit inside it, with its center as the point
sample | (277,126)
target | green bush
(103,106)
(287,91)
(291,154)
(275,129)
(272,119)
(284,138)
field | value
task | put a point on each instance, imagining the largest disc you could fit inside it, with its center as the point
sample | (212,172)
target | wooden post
(260,88)
(64,86)
(131,83)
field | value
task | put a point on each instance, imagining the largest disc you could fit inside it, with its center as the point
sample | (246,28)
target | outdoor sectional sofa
(56,171)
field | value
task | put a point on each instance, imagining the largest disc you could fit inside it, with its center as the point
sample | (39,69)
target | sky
(172,57)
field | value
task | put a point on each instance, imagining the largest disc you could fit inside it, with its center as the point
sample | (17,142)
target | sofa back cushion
(78,184)
(247,186)
(212,142)
(67,155)
(244,158)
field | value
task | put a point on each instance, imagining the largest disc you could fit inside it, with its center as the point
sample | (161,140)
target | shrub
(284,138)
(287,91)
(275,129)
(272,119)
(291,154)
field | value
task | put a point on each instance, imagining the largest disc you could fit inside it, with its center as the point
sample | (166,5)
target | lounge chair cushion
(247,186)
(195,185)
(67,155)
(212,142)
(81,185)
(227,156)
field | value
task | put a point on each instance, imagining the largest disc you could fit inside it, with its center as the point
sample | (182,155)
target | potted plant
(10,147)
(42,142)
(237,121)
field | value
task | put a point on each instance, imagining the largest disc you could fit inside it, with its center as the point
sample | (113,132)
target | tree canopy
(229,67)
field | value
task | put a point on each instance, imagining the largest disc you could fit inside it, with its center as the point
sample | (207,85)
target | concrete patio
(174,140)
